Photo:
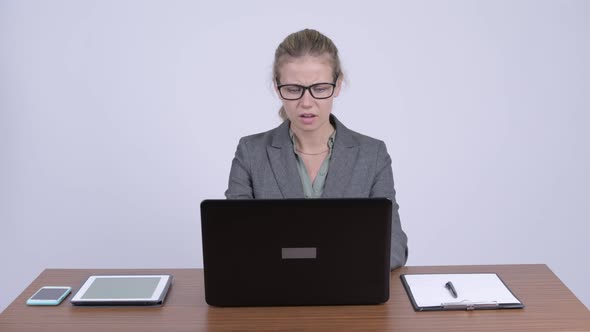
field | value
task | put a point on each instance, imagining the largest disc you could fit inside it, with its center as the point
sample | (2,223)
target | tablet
(123,290)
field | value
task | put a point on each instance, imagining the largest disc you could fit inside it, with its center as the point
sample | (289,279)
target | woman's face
(308,114)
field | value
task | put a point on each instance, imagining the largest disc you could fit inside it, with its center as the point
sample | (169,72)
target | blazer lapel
(342,162)
(283,163)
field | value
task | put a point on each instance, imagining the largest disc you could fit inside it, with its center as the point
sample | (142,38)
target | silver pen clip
(469,305)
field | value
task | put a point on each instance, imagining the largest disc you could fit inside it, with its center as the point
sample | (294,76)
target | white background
(118,117)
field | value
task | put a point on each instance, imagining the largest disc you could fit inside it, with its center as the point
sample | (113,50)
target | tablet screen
(122,288)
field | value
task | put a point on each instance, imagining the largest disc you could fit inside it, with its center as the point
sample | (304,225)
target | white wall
(118,117)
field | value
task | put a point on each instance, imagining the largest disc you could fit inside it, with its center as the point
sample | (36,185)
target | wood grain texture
(550,306)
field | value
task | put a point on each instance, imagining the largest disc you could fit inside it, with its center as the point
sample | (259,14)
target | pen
(451,288)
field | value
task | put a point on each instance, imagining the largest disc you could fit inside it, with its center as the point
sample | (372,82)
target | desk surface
(550,306)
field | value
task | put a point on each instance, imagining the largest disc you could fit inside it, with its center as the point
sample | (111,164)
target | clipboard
(475,291)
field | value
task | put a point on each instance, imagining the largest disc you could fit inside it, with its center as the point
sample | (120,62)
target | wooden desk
(550,306)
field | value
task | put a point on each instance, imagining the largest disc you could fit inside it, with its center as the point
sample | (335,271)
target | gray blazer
(265,167)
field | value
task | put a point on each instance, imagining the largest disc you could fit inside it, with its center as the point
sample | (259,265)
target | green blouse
(315,189)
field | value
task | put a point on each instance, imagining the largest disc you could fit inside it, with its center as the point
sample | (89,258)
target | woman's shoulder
(267,137)
(365,139)
(353,137)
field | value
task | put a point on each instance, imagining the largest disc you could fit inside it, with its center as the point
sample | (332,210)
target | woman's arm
(383,187)
(240,178)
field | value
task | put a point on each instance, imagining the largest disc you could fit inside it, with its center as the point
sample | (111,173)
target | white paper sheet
(429,290)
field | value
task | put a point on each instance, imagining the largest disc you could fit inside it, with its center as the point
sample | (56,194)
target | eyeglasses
(296,91)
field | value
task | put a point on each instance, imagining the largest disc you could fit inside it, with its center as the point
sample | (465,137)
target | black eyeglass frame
(309,87)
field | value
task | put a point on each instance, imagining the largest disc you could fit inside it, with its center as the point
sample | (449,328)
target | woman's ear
(338,84)
(276,86)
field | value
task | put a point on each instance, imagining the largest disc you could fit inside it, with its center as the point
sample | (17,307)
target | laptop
(296,251)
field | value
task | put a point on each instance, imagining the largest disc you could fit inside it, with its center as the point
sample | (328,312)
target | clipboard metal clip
(468,305)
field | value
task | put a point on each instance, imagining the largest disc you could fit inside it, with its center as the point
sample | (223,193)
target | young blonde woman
(312,154)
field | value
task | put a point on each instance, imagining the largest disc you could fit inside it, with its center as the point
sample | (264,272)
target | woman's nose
(306,99)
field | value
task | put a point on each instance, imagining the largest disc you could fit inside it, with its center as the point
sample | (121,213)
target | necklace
(313,154)
(307,153)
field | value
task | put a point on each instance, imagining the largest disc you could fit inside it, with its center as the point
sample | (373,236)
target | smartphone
(49,295)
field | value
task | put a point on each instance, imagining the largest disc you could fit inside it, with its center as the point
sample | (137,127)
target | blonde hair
(302,43)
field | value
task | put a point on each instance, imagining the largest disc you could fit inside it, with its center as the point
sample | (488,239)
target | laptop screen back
(296,251)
